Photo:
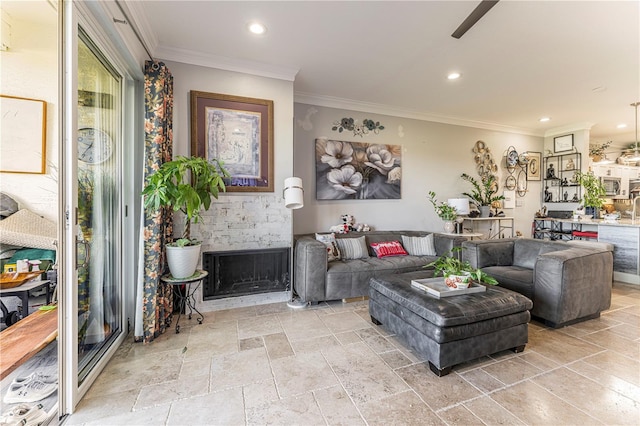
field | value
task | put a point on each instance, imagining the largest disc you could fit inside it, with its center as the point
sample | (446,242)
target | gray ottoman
(450,330)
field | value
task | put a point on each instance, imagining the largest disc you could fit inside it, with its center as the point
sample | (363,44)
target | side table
(187,298)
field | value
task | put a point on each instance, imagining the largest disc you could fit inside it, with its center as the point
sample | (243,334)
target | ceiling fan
(478,12)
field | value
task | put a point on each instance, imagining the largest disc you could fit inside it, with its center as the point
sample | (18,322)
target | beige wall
(236,222)
(30,70)
(433,157)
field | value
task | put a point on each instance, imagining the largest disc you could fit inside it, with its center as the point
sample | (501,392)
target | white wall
(30,70)
(434,155)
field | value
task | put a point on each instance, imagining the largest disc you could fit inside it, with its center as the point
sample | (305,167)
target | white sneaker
(32,388)
(24,415)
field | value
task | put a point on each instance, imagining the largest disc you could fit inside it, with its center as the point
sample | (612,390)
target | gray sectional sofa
(567,281)
(316,279)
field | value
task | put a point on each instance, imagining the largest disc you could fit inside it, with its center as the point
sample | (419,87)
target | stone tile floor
(330,365)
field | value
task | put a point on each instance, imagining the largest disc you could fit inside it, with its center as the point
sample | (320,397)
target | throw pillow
(419,246)
(353,248)
(388,248)
(329,240)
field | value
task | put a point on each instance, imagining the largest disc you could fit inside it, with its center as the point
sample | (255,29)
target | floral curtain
(154,297)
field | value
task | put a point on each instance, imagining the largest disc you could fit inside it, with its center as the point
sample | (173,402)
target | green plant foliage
(594,191)
(443,210)
(484,192)
(451,264)
(186,184)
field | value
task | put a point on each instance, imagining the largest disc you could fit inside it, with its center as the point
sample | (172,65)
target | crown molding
(139,17)
(568,128)
(227,64)
(334,102)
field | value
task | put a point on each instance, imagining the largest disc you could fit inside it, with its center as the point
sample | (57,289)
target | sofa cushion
(329,240)
(514,278)
(526,251)
(419,246)
(388,248)
(353,248)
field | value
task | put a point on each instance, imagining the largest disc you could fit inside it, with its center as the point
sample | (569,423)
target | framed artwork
(534,165)
(238,131)
(563,143)
(356,170)
(23,136)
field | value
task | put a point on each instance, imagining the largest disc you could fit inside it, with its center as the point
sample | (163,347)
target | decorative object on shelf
(551,173)
(445,211)
(563,143)
(534,165)
(357,170)
(483,193)
(186,184)
(570,165)
(594,192)
(238,131)
(597,151)
(349,123)
(548,197)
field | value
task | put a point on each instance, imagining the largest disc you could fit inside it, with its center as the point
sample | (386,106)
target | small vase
(485,211)
(449,226)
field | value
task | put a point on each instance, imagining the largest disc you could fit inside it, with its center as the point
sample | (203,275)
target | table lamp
(462,209)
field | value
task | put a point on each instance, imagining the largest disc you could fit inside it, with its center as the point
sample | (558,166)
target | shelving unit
(559,181)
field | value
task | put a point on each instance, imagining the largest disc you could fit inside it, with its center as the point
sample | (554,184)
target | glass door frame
(75,14)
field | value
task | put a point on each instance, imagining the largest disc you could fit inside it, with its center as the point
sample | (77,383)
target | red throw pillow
(388,248)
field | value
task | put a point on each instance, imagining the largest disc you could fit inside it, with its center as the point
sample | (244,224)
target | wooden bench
(26,338)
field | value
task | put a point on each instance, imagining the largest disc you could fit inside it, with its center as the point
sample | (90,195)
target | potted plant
(484,192)
(444,211)
(594,192)
(597,151)
(458,273)
(186,184)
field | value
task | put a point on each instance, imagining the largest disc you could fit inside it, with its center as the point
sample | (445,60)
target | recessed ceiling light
(544,119)
(256,28)
(454,76)
(621,126)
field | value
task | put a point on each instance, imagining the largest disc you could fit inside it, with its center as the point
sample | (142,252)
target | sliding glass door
(98,204)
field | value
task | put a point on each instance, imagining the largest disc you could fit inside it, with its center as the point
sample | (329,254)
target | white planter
(449,226)
(458,282)
(183,261)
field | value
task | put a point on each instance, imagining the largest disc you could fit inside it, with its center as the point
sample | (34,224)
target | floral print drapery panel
(156,306)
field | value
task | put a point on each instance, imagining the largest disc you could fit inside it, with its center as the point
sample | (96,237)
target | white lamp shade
(461,205)
(293,193)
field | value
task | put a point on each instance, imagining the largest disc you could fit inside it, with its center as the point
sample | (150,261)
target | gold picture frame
(23,139)
(238,131)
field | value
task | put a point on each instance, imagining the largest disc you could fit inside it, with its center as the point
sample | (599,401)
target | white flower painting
(356,170)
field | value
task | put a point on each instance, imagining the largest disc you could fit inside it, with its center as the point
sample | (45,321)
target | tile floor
(330,365)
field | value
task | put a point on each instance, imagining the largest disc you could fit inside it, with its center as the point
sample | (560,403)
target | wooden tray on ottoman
(15,279)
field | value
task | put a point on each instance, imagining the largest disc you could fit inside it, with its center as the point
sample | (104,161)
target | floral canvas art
(356,170)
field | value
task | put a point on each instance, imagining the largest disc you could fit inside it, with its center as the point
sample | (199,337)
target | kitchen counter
(624,234)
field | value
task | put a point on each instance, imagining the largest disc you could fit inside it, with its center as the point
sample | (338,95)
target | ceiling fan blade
(478,12)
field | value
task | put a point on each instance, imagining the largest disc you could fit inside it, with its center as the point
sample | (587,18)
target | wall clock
(94,145)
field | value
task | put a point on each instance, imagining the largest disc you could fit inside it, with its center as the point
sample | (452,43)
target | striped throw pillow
(419,246)
(352,248)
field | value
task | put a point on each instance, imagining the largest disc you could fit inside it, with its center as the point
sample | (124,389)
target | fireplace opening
(244,272)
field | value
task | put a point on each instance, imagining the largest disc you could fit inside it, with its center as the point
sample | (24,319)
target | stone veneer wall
(242,222)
